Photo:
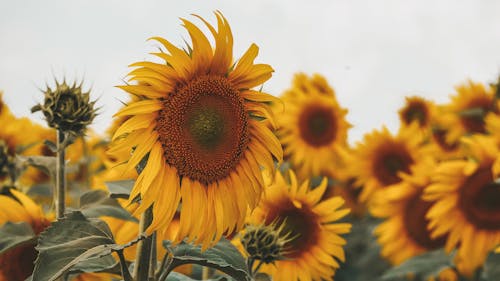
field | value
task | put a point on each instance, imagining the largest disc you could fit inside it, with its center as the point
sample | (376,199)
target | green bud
(67,108)
(265,242)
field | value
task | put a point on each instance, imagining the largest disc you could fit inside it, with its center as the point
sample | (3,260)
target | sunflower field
(205,176)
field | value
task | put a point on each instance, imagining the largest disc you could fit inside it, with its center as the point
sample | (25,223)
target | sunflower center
(18,263)
(318,125)
(416,224)
(415,111)
(203,129)
(300,225)
(479,199)
(390,160)
(206,125)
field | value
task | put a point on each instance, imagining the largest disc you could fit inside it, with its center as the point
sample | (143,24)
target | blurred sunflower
(380,160)
(466,207)
(438,145)
(17,263)
(417,109)
(468,108)
(312,129)
(203,132)
(403,233)
(312,223)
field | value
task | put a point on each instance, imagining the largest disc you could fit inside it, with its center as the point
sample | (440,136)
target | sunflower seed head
(67,108)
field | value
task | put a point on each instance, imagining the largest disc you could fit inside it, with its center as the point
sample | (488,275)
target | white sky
(372,52)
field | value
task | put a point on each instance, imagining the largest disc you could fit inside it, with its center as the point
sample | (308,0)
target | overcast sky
(374,53)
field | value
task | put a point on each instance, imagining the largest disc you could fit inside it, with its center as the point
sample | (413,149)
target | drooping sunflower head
(417,109)
(381,159)
(469,106)
(404,232)
(18,263)
(315,244)
(202,132)
(312,129)
(466,195)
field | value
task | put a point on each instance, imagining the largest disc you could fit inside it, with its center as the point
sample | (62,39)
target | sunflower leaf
(15,234)
(223,257)
(120,189)
(97,203)
(45,163)
(175,276)
(428,264)
(68,242)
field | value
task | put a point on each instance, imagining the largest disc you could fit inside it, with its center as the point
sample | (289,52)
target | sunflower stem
(60,175)
(143,257)
(123,265)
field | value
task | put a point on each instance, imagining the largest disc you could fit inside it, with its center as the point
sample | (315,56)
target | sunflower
(403,233)
(17,263)
(466,207)
(316,246)
(417,109)
(468,108)
(202,132)
(312,128)
(380,159)
(438,145)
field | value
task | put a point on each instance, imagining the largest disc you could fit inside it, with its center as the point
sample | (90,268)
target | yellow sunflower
(316,247)
(438,145)
(17,264)
(417,109)
(203,131)
(468,108)
(466,207)
(403,233)
(312,130)
(380,159)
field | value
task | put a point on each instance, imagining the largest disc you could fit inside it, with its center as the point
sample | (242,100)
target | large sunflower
(403,233)
(466,205)
(468,108)
(312,128)
(203,131)
(380,160)
(313,253)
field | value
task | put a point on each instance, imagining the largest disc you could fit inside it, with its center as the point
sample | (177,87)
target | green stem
(143,257)
(154,260)
(60,176)
(123,265)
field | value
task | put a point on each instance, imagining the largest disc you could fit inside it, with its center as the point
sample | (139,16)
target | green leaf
(15,234)
(97,264)
(70,241)
(97,203)
(120,189)
(428,264)
(175,276)
(491,269)
(45,163)
(223,256)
